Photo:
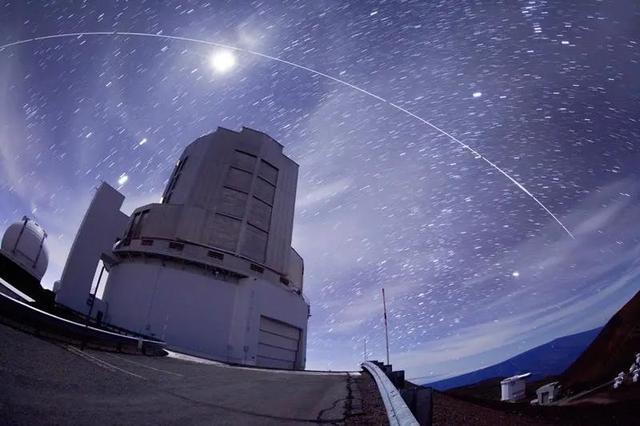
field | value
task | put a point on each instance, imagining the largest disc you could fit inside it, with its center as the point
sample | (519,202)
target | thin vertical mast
(364,355)
(386,326)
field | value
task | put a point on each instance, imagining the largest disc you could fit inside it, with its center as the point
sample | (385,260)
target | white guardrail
(25,314)
(397,411)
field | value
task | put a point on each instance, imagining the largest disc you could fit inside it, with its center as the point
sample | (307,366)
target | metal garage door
(277,344)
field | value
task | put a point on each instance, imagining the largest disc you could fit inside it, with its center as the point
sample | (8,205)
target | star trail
(480,260)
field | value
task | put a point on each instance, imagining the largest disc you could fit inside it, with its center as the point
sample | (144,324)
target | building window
(135,229)
(259,214)
(244,160)
(177,172)
(215,255)
(254,245)
(138,223)
(222,231)
(265,191)
(265,188)
(239,179)
(134,224)
(232,202)
(176,246)
(268,172)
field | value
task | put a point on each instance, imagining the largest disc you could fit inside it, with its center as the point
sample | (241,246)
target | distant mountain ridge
(549,359)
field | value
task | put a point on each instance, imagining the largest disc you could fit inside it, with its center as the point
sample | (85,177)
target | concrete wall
(196,312)
(183,307)
(296,270)
(102,225)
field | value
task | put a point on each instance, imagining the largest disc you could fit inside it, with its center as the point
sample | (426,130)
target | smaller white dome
(24,243)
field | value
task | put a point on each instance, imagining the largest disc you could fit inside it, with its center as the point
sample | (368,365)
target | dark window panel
(239,179)
(232,202)
(268,172)
(259,214)
(223,231)
(176,246)
(264,191)
(244,161)
(254,245)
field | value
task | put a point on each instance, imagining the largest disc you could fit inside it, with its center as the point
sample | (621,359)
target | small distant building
(513,388)
(548,393)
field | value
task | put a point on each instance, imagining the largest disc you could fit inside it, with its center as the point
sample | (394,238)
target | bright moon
(123,179)
(222,61)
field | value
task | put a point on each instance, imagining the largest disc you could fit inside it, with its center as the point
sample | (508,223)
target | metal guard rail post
(397,411)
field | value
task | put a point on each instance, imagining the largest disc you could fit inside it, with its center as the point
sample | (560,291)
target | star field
(474,269)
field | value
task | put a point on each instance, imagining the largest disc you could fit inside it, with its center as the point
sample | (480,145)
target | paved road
(45,382)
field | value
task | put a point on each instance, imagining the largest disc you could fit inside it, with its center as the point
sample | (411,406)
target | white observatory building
(513,389)
(24,259)
(210,269)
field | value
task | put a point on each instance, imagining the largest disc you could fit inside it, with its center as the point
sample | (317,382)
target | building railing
(397,410)
(214,259)
(26,317)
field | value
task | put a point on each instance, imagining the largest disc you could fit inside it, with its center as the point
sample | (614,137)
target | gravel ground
(373,412)
(620,409)
(449,411)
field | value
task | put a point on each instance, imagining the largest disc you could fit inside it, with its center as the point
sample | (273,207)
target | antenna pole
(386,326)
(364,355)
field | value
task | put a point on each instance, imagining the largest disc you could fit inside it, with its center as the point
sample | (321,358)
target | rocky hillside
(612,351)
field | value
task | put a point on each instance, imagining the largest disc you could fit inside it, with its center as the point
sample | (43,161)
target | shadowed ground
(46,382)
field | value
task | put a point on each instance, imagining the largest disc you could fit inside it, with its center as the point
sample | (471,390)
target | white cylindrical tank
(24,243)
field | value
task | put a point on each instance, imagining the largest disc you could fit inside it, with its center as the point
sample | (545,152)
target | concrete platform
(54,383)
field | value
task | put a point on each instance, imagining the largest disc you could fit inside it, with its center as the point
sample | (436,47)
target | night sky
(475,269)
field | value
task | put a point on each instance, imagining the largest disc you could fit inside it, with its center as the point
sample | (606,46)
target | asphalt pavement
(44,382)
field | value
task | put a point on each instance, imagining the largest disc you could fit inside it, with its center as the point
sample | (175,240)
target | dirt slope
(611,352)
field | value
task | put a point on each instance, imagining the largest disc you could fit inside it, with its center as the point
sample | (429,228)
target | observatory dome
(24,243)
